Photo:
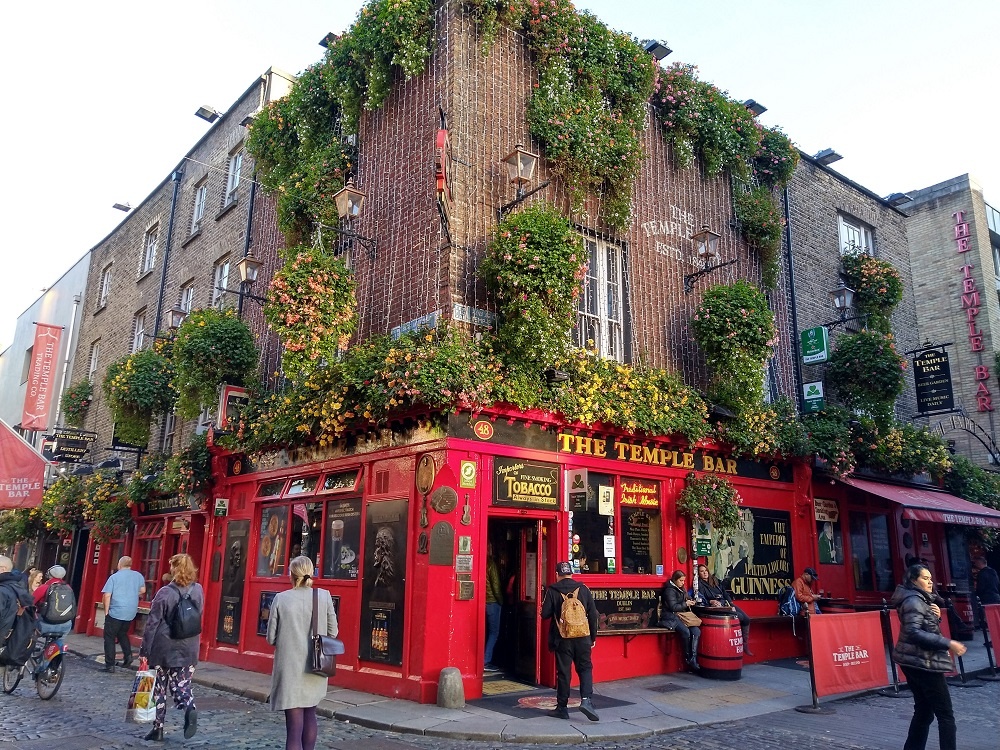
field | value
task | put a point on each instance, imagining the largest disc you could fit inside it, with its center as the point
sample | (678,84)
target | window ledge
(228,207)
(100,308)
(143,275)
(194,235)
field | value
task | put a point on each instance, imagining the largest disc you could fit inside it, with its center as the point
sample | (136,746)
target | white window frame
(149,249)
(169,429)
(233,179)
(220,282)
(105,289)
(95,354)
(855,236)
(600,312)
(138,331)
(187,298)
(200,199)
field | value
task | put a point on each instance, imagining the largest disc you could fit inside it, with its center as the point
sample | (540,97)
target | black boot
(746,641)
(155,735)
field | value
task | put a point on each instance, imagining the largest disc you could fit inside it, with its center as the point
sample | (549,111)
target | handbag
(325,649)
(689,618)
(141,707)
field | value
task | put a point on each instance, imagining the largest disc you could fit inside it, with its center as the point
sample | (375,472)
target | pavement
(629,709)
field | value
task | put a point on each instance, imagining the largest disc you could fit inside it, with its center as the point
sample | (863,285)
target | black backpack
(59,605)
(184,620)
(19,641)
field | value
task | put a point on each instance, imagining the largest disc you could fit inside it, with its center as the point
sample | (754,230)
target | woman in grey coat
(294,688)
(173,660)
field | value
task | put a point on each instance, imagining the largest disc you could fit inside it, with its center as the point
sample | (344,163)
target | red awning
(22,471)
(928,505)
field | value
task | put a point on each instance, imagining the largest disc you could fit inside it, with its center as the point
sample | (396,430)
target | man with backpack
(17,616)
(572,635)
(55,603)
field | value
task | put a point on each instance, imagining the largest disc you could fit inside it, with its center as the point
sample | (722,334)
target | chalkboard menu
(625,608)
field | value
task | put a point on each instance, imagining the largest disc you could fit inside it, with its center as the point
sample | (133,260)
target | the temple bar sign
(932,377)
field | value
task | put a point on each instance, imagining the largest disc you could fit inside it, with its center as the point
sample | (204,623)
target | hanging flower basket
(710,498)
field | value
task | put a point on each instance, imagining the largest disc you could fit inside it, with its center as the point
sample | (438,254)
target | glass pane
(343,539)
(885,580)
(273,547)
(592,524)
(306,521)
(641,528)
(958,559)
(302,486)
(149,566)
(271,489)
(861,560)
(345,480)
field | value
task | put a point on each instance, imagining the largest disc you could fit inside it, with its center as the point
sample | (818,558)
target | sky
(100,95)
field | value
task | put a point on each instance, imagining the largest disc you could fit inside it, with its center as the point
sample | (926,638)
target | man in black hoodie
(575,651)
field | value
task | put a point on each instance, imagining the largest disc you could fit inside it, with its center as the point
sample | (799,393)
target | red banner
(848,653)
(22,471)
(38,399)
(992,612)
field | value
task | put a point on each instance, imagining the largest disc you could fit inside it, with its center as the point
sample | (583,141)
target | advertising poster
(383,587)
(848,653)
(273,539)
(341,559)
(234,566)
(264,611)
(756,559)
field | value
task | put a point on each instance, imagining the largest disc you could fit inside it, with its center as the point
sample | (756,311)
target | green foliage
(62,506)
(865,372)
(300,156)
(312,308)
(735,329)
(146,481)
(897,448)
(637,399)
(828,436)
(75,402)
(20,524)
(710,498)
(776,160)
(137,387)
(700,120)
(762,225)
(764,430)
(973,483)
(190,471)
(877,286)
(387,35)
(534,266)
(211,347)
(589,107)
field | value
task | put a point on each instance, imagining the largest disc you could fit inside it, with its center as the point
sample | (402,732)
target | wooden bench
(631,633)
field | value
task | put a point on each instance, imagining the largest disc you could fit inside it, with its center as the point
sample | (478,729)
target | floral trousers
(178,681)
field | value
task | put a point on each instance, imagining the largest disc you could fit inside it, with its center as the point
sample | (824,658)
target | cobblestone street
(88,711)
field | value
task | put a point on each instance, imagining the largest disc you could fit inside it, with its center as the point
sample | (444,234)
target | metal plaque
(466,589)
(426,471)
(442,544)
(444,500)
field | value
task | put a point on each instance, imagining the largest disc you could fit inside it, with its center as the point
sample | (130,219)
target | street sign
(932,378)
(703,546)
(813,396)
(815,345)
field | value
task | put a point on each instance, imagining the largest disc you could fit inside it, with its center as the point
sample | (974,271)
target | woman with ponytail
(294,689)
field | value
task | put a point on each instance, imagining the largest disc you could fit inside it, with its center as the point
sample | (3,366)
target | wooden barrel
(720,650)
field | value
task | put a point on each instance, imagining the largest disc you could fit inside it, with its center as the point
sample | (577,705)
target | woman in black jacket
(711,593)
(923,655)
(674,599)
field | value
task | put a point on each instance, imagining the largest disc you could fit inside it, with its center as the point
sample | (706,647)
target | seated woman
(711,593)
(674,599)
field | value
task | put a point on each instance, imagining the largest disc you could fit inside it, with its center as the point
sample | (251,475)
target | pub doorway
(521,550)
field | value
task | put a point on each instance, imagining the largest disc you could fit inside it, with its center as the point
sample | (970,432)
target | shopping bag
(141,706)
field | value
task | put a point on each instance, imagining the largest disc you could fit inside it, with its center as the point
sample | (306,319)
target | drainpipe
(176,177)
(247,241)
(69,349)
(795,318)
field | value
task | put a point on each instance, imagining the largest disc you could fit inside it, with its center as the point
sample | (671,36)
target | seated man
(56,575)
(804,593)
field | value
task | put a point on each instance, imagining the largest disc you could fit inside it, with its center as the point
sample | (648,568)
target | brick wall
(816,198)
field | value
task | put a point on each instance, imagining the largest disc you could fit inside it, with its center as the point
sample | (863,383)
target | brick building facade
(179,246)
(955,247)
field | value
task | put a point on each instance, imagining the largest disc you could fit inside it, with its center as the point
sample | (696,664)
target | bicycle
(45,665)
